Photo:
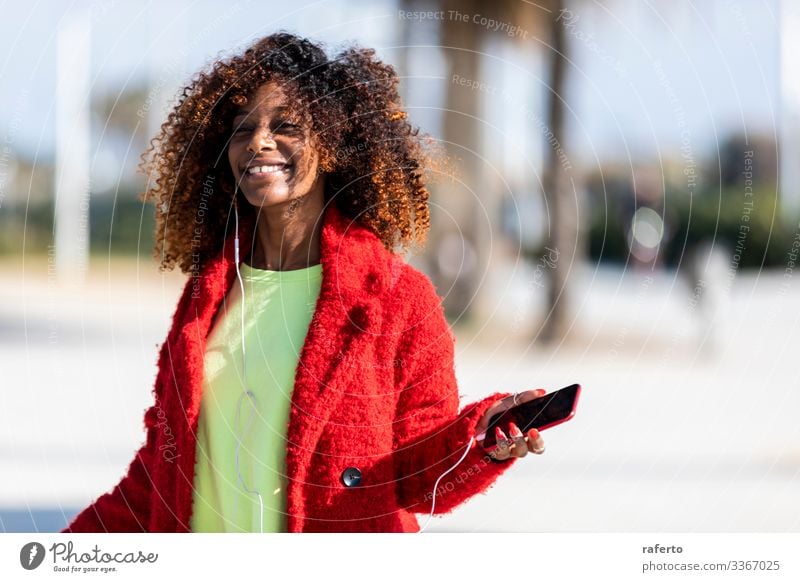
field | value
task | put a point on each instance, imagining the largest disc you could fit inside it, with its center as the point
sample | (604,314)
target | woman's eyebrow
(239,115)
(282,110)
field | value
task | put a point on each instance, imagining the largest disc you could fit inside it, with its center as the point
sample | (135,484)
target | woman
(307,382)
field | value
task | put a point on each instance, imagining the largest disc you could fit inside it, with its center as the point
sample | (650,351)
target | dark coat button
(351,477)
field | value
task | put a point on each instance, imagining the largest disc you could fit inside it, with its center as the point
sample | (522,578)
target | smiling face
(271,152)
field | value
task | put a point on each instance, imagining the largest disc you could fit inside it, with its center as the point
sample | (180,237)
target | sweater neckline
(308,273)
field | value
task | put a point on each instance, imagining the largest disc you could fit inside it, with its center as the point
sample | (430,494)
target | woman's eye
(287,127)
(284,127)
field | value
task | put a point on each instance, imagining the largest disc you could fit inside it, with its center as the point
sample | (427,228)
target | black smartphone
(541,413)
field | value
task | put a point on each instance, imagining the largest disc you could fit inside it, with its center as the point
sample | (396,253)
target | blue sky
(719,60)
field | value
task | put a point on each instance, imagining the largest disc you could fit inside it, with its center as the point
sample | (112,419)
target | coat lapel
(348,315)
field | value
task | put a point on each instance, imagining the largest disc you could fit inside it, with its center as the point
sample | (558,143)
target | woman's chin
(266,197)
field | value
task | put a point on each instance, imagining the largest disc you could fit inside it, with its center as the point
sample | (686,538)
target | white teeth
(271,169)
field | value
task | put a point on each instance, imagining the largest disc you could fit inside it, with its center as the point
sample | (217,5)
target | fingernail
(533,434)
(514,430)
(540,392)
(499,434)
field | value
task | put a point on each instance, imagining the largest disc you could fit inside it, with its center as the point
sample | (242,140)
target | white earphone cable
(436,485)
(252,397)
(244,382)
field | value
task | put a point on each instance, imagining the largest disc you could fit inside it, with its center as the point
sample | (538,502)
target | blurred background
(625,214)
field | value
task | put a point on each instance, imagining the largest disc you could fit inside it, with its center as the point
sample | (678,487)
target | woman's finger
(526,396)
(502,450)
(519,447)
(504,404)
(535,442)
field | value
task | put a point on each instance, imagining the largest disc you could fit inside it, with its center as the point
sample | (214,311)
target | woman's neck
(286,240)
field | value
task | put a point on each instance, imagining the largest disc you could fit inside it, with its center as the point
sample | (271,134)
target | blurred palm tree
(462,43)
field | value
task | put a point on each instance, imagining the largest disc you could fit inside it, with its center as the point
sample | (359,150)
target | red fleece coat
(375,389)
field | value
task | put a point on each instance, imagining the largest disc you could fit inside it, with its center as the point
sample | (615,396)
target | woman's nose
(261,139)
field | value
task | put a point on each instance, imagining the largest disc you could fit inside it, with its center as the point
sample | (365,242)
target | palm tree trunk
(559,191)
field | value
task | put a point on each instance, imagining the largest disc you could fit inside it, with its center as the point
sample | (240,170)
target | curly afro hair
(372,157)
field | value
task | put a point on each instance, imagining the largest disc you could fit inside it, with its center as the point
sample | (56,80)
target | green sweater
(279,306)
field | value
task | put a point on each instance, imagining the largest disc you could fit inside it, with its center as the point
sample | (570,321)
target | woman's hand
(516,444)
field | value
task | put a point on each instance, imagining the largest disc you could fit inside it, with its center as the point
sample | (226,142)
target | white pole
(72,163)
(789,122)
